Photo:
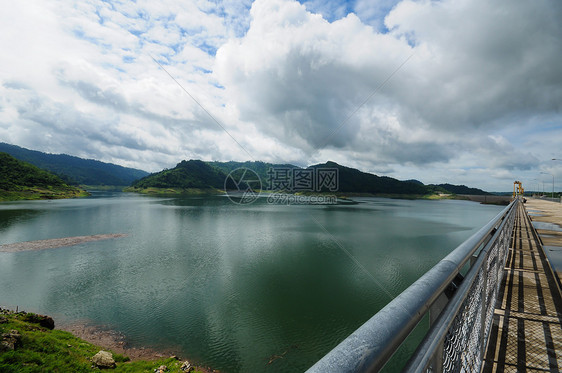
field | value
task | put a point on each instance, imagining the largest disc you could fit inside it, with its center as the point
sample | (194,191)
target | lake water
(229,286)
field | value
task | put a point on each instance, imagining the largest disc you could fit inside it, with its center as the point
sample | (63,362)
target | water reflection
(9,217)
(231,286)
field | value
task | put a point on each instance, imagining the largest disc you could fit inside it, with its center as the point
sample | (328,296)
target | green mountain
(193,174)
(352,180)
(463,189)
(21,180)
(414,181)
(75,170)
(264,170)
(196,176)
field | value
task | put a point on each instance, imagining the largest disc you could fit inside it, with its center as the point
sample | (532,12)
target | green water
(227,285)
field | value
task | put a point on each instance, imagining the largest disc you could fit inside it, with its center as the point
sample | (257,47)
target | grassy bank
(36,193)
(40,349)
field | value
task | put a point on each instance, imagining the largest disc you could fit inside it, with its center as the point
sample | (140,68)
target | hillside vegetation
(28,344)
(21,180)
(195,176)
(75,170)
(352,180)
(463,189)
(187,177)
(260,168)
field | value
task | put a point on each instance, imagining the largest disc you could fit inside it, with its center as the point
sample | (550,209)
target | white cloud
(479,101)
(300,77)
(478,68)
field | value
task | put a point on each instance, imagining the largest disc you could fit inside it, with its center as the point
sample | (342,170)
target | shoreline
(116,342)
(108,339)
(112,340)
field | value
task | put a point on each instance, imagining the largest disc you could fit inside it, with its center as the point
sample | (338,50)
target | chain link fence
(464,343)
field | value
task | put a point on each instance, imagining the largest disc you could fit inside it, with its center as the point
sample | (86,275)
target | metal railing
(460,309)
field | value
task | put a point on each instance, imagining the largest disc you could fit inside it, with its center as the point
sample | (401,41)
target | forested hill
(262,169)
(196,176)
(212,175)
(21,180)
(463,189)
(193,174)
(75,170)
(352,180)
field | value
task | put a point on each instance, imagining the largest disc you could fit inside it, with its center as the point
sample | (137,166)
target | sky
(461,92)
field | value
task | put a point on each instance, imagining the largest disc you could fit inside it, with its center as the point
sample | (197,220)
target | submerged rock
(104,359)
(10,341)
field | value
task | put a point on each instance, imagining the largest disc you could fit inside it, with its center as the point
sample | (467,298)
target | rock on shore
(104,360)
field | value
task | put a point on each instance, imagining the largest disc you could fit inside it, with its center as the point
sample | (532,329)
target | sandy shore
(56,242)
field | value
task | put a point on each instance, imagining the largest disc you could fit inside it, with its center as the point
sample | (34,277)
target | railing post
(436,365)
(437,360)
(473,260)
(436,308)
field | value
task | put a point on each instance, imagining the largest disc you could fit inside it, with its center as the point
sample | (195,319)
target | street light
(559,160)
(538,192)
(546,173)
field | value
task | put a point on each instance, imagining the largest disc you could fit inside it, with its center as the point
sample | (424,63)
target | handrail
(370,347)
(434,339)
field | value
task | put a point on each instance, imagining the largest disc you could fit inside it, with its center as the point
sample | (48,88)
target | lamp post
(559,160)
(538,187)
(546,173)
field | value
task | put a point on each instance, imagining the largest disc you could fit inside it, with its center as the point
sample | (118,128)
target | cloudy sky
(464,91)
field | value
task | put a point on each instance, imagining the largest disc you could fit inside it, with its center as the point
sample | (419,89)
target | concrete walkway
(526,333)
(547,220)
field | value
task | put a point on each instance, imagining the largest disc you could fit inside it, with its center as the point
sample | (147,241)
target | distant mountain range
(21,180)
(462,189)
(196,174)
(74,170)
